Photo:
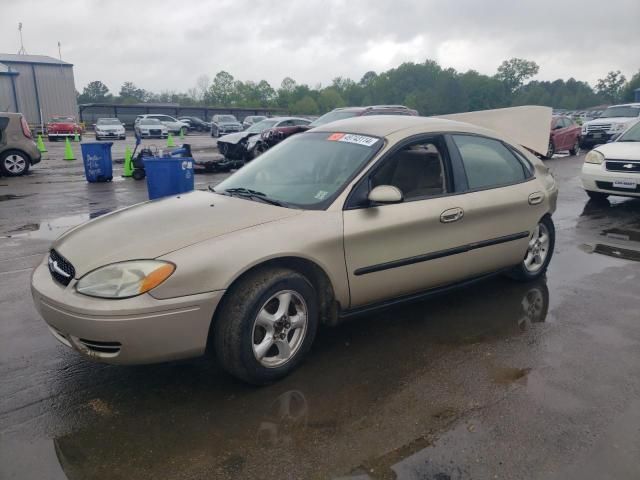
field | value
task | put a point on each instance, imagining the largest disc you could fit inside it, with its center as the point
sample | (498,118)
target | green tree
(129,93)
(305,106)
(95,92)
(628,92)
(515,71)
(329,99)
(223,90)
(611,86)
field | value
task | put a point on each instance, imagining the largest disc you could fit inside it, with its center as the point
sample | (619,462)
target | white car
(614,168)
(151,128)
(611,122)
(109,128)
(173,125)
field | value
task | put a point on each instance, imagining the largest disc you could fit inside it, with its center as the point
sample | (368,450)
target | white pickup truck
(613,121)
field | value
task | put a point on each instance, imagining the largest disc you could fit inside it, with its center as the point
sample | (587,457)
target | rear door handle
(451,215)
(536,198)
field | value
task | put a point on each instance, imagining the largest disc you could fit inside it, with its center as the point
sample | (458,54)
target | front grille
(609,186)
(599,127)
(104,348)
(155,132)
(60,268)
(622,166)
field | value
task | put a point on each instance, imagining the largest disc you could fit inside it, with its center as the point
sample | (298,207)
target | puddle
(52,229)
(10,196)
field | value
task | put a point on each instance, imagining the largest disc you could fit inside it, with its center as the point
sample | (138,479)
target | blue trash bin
(168,176)
(97,161)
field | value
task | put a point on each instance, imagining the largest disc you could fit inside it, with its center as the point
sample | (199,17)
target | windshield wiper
(254,194)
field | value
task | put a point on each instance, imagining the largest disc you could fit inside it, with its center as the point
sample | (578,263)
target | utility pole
(59,50)
(22,51)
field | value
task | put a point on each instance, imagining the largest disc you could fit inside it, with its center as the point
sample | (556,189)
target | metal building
(37,86)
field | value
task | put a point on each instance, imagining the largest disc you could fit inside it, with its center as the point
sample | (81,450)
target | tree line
(426,87)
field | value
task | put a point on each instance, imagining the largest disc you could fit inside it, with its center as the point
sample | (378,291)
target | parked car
(196,124)
(241,147)
(352,216)
(223,124)
(565,135)
(18,151)
(614,168)
(252,119)
(110,128)
(62,126)
(612,121)
(151,128)
(349,112)
(173,125)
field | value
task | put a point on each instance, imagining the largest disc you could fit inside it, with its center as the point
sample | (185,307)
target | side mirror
(385,194)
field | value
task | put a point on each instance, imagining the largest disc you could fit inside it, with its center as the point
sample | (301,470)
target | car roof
(385,125)
(636,105)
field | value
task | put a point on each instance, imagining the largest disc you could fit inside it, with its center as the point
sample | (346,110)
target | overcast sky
(165,45)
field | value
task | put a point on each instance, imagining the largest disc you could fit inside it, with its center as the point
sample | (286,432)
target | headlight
(584,129)
(617,127)
(125,279)
(594,156)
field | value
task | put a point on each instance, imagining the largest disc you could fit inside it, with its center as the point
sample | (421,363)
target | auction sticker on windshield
(352,138)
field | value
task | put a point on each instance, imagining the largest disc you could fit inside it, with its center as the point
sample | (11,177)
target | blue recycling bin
(97,161)
(168,176)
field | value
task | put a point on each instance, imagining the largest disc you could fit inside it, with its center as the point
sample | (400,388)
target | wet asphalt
(497,380)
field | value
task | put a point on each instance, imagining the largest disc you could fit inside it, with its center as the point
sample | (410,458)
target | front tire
(575,151)
(266,325)
(14,163)
(551,150)
(539,252)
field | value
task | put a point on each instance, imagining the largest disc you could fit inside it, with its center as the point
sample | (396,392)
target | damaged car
(344,219)
(241,147)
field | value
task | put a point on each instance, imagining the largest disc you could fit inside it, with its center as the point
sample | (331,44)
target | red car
(565,136)
(63,127)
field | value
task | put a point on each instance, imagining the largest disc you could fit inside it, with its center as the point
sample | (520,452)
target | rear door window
(489,163)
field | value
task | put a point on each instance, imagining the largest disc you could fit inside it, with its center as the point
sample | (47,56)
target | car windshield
(332,117)
(305,171)
(150,121)
(256,119)
(262,126)
(227,118)
(613,112)
(62,119)
(108,121)
(631,135)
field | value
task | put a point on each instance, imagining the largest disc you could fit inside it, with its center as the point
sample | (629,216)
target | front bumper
(62,134)
(137,330)
(110,134)
(596,137)
(596,178)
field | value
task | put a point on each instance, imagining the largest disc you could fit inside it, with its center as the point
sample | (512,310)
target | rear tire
(259,336)
(14,163)
(597,196)
(138,174)
(539,252)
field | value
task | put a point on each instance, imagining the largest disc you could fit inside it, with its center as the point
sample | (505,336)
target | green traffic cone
(128,167)
(181,134)
(76,137)
(170,142)
(68,151)
(40,144)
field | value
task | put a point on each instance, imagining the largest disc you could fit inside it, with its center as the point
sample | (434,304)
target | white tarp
(529,126)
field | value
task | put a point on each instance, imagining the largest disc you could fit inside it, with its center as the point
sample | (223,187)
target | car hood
(155,228)
(65,125)
(612,120)
(620,150)
(234,138)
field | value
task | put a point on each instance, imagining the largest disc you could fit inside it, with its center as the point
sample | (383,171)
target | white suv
(613,121)
(172,124)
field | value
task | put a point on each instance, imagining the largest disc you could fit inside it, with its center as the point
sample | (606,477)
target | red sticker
(334,137)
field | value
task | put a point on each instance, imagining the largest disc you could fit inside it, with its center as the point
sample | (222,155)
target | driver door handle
(451,215)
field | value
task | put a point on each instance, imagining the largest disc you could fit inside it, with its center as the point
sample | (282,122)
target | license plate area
(625,183)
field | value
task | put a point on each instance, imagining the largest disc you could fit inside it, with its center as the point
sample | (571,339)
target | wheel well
(16,150)
(328,306)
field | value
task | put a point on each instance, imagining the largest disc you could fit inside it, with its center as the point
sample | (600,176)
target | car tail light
(25,128)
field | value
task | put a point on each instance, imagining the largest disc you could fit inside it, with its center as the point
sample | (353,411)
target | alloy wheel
(538,249)
(279,328)
(15,164)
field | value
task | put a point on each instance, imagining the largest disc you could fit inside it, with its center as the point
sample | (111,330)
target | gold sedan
(343,219)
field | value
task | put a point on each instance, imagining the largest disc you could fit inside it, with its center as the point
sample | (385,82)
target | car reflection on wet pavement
(496,380)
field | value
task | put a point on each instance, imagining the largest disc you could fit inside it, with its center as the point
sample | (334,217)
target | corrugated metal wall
(7,103)
(55,90)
